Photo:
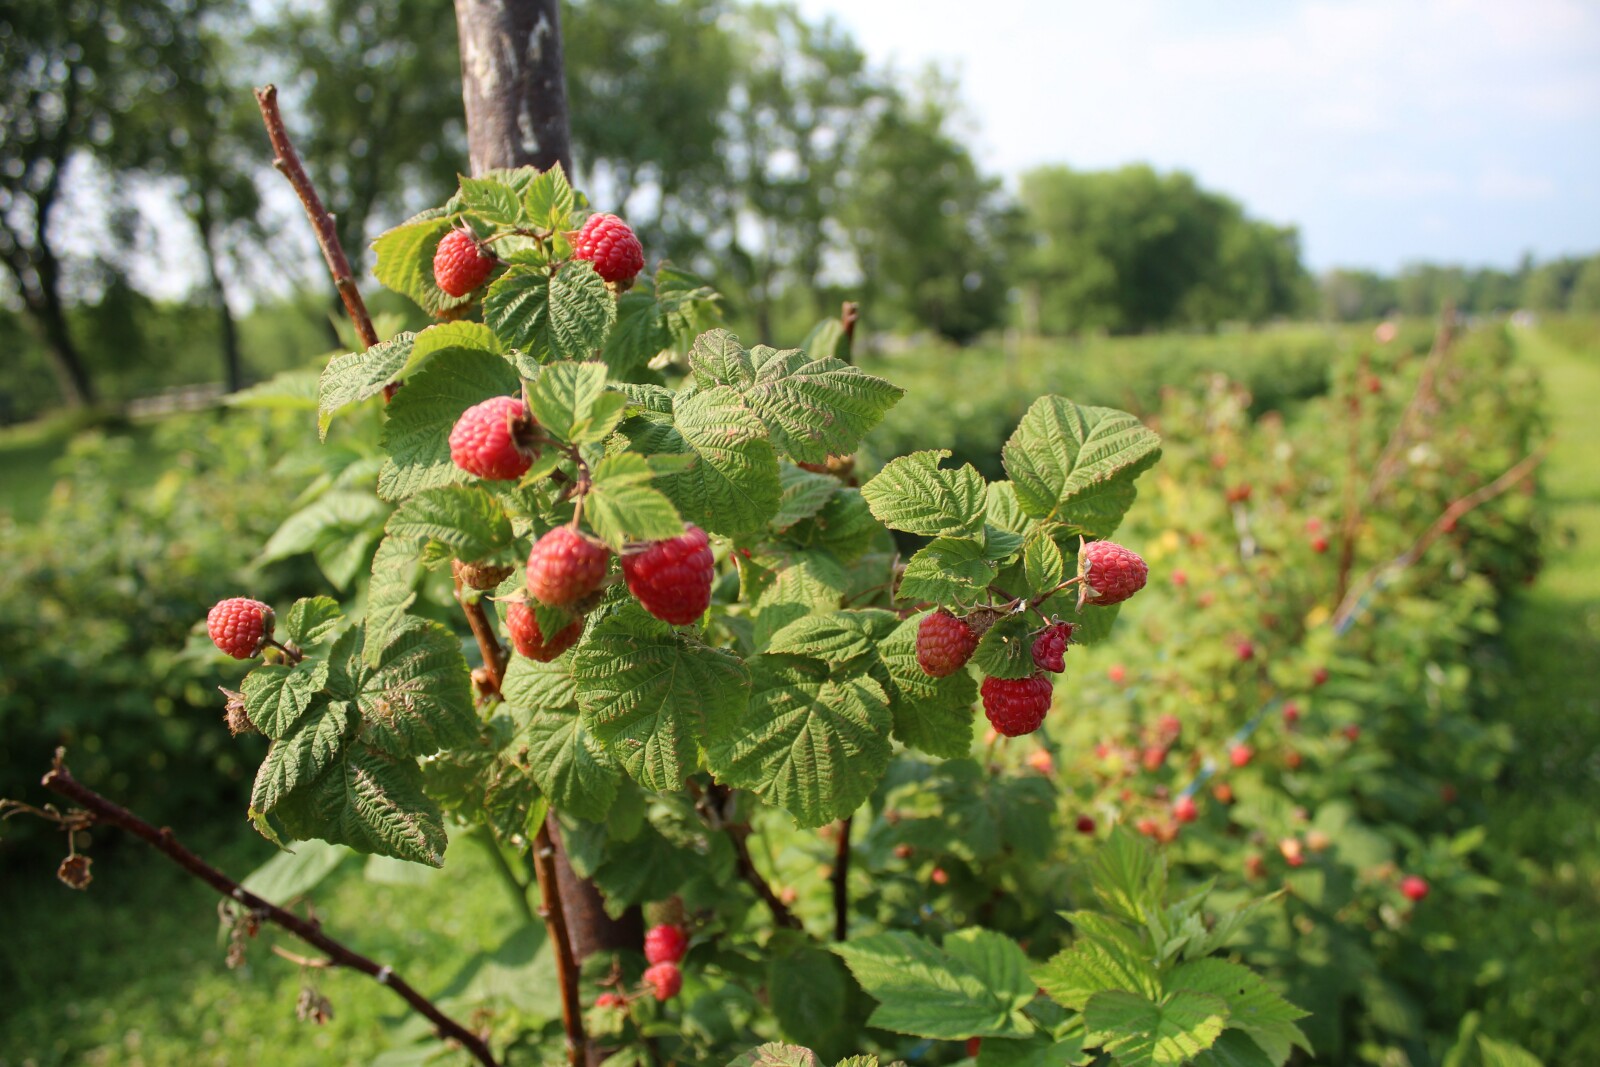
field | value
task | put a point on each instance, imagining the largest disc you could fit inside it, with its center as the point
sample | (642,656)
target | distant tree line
(1568,284)
(742,140)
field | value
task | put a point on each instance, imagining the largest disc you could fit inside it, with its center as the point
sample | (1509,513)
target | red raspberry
(1293,852)
(665,943)
(1245,651)
(610,1000)
(939,876)
(672,578)
(1184,809)
(239,626)
(665,979)
(1291,713)
(1240,755)
(610,244)
(523,626)
(484,440)
(944,644)
(1110,573)
(564,567)
(1413,887)
(1050,647)
(974,1045)
(461,265)
(1016,706)
(1085,824)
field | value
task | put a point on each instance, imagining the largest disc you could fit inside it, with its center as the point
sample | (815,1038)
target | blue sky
(1387,130)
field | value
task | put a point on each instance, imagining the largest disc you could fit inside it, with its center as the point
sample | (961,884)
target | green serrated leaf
(421,416)
(311,619)
(569,765)
(565,395)
(1042,565)
(776,1054)
(405,262)
(845,527)
(735,487)
(582,312)
(931,714)
(950,571)
(300,758)
(373,803)
(467,520)
(1093,965)
(804,494)
(1006,649)
(810,582)
(492,200)
(532,686)
(391,591)
(998,961)
(276,697)
(417,700)
(352,378)
(335,517)
(815,747)
(1234,1048)
(549,200)
(517,309)
(914,494)
(652,695)
(1077,464)
(1128,876)
(623,506)
(839,637)
(1145,1033)
(927,992)
(1251,1001)
(807,988)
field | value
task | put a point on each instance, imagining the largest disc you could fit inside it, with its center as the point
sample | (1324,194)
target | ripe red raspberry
(564,567)
(484,440)
(1016,706)
(665,979)
(672,578)
(609,243)
(1184,809)
(1240,755)
(1291,713)
(239,626)
(1085,824)
(944,644)
(523,626)
(1245,651)
(939,876)
(461,265)
(665,943)
(610,1000)
(1050,647)
(1414,887)
(1110,573)
(974,1045)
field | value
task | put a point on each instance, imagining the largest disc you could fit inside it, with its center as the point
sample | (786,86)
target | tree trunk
(227,329)
(77,391)
(513,81)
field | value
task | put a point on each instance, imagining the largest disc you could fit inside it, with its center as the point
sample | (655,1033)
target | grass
(131,972)
(1547,799)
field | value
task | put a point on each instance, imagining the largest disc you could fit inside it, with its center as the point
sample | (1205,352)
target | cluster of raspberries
(461,263)
(1107,574)
(664,948)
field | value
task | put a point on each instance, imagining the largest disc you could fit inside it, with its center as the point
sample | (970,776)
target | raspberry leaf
(311,619)
(1094,964)
(405,261)
(391,591)
(517,307)
(845,526)
(623,506)
(809,582)
(735,488)
(949,570)
(467,520)
(1006,650)
(569,765)
(804,494)
(532,686)
(652,695)
(548,200)
(275,696)
(813,745)
(808,987)
(1241,1048)
(1077,464)
(417,434)
(417,699)
(565,397)
(298,759)
(1252,1003)
(839,637)
(931,714)
(914,494)
(492,200)
(1145,1033)
(972,991)
(777,1054)
(356,376)
(372,802)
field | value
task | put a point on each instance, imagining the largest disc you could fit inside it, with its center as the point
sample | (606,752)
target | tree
(931,233)
(1586,287)
(68,72)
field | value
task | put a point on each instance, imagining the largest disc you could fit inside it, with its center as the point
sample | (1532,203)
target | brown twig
(555,916)
(102,810)
(738,834)
(287,162)
(841,880)
(1446,520)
